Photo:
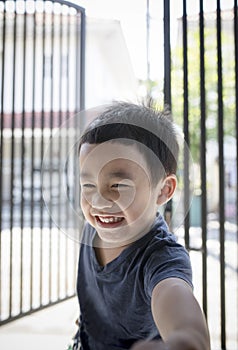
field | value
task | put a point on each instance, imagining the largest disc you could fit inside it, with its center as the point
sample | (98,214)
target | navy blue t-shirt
(115,300)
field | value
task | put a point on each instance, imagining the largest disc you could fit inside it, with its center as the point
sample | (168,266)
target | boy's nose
(98,201)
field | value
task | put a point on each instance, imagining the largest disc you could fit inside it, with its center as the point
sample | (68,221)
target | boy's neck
(106,254)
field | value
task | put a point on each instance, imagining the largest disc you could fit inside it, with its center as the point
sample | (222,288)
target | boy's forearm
(178,317)
(181,340)
(188,339)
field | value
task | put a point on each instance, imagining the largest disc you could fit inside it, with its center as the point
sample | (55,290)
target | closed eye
(121,185)
(88,186)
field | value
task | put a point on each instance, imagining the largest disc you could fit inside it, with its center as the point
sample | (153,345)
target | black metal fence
(42,50)
(201,84)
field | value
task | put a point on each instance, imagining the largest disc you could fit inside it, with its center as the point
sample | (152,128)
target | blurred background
(60,61)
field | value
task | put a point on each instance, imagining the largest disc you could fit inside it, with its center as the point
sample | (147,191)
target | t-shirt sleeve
(167,262)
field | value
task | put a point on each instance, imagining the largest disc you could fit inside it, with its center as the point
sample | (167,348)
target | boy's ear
(167,191)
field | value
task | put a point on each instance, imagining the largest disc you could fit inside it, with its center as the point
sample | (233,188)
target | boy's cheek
(126,199)
(84,204)
(84,199)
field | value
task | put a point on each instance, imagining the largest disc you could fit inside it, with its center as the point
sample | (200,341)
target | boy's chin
(122,237)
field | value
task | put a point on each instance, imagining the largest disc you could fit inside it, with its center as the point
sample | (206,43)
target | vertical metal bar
(43,23)
(67,149)
(148,47)
(186,128)
(12,176)
(80,92)
(2,120)
(79,102)
(75,166)
(167,54)
(32,216)
(236,121)
(51,161)
(79,95)
(221,177)
(82,60)
(60,146)
(203,157)
(78,35)
(23,149)
(167,82)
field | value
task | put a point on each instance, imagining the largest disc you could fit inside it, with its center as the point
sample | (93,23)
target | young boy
(134,279)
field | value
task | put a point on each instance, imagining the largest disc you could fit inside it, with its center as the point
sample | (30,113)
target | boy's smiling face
(117,195)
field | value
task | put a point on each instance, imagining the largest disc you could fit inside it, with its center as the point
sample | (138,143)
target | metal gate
(201,86)
(42,50)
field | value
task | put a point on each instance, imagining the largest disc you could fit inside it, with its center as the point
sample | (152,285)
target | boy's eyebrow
(121,174)
(84,174)
(118,174)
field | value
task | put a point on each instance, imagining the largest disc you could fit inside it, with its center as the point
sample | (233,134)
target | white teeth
(109,220)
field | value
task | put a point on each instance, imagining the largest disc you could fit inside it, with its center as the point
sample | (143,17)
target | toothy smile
(109,220)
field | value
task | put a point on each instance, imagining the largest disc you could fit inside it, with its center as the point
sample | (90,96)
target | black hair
(127,122)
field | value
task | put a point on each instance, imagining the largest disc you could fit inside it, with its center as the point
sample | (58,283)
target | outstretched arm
(178,317)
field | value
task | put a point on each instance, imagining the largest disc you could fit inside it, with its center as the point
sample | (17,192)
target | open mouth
(109,220)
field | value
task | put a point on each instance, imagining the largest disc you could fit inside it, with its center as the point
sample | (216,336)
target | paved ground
(49,329)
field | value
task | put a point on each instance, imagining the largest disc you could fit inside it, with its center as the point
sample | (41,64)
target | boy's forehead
(98,155)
